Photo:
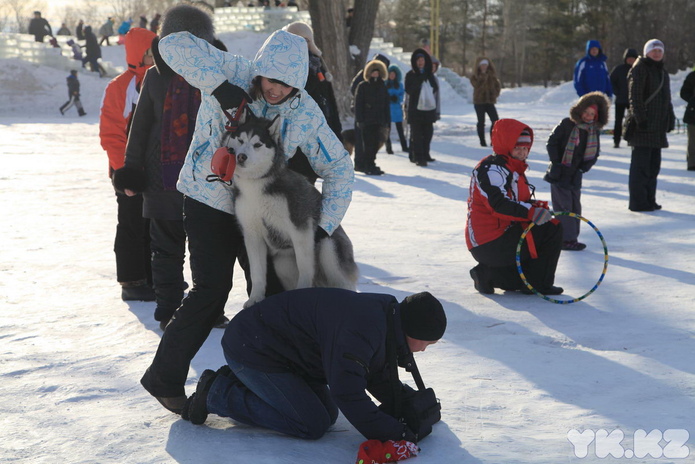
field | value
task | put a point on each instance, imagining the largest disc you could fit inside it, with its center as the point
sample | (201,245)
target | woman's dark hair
(256,90)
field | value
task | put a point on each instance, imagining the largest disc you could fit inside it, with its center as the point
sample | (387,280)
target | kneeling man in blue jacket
(296,358)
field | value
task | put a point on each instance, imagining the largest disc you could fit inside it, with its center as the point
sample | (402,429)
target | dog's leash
(223,160)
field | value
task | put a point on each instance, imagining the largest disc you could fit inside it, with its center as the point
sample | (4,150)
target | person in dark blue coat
(296,358)
(591,72)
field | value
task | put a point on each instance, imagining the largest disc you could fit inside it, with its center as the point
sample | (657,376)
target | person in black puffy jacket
(372,115)
(296,358)
(421,121)
(619,83)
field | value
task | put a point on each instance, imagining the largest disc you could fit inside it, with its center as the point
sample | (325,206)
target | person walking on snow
(486,90)
(39,27)
(73,95)
(591,72)
(106,31)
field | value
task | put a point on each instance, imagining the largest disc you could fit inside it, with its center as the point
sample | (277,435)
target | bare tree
(362,29)
(330,35)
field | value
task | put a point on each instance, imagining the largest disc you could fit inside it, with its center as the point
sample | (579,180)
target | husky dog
(278,211)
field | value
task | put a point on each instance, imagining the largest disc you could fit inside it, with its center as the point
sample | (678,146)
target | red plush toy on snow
(378,452)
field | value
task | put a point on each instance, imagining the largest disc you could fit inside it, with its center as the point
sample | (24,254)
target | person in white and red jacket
(500,206)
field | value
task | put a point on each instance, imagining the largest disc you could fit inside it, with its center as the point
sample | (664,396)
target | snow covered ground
(516,375)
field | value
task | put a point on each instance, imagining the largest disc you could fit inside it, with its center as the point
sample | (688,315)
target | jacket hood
(397,70)
(592,98)
(595,43)
(505,134)
(428,60)
(629,53)
(374,65)
(383,58)
(137,41)
(283,56)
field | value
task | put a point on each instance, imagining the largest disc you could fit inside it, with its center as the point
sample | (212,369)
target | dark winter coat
(396,93)
(39,28)
(143,150)
(656,118)
(79,33)
(499,193)
(413,83)
(321,90)
(688,94)
(591,72)
(330,336)
(73,86)
(92,48)
(570,177)
(372,105)
(154,24)
(486,86)
(619,77)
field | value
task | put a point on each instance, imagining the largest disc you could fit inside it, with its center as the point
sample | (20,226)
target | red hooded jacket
(499,192)
(121,96)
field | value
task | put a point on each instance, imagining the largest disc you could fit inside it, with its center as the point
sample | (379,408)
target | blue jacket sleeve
(329,159)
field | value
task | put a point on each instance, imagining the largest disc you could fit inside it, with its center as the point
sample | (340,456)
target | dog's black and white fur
(278,211)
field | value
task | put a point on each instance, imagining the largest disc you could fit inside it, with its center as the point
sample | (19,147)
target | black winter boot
(196,409)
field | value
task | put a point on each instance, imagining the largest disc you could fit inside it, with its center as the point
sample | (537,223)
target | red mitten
(377,452)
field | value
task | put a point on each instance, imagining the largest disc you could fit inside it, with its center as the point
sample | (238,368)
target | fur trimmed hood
(592,98)
(374,65)
(399,74)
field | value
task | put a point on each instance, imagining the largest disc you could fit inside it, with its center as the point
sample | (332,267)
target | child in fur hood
(573,148)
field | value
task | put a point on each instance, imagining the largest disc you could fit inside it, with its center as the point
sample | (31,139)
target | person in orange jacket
(132,247)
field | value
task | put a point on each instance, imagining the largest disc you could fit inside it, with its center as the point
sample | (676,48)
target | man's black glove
(230,95)
(320,234)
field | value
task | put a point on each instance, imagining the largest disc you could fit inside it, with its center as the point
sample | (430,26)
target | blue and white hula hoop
(553,300)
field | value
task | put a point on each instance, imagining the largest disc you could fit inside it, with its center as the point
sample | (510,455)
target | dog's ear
(246,116)
(274,129)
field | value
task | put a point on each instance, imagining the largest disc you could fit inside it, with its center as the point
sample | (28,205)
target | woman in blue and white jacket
(276,78)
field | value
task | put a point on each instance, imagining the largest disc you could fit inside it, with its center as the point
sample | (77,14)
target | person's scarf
(591,143)
(178,123)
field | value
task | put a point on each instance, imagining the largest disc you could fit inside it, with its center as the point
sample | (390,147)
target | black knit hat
(423,317)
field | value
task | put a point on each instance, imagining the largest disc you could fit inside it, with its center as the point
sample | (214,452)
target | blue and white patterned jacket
(283,56)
